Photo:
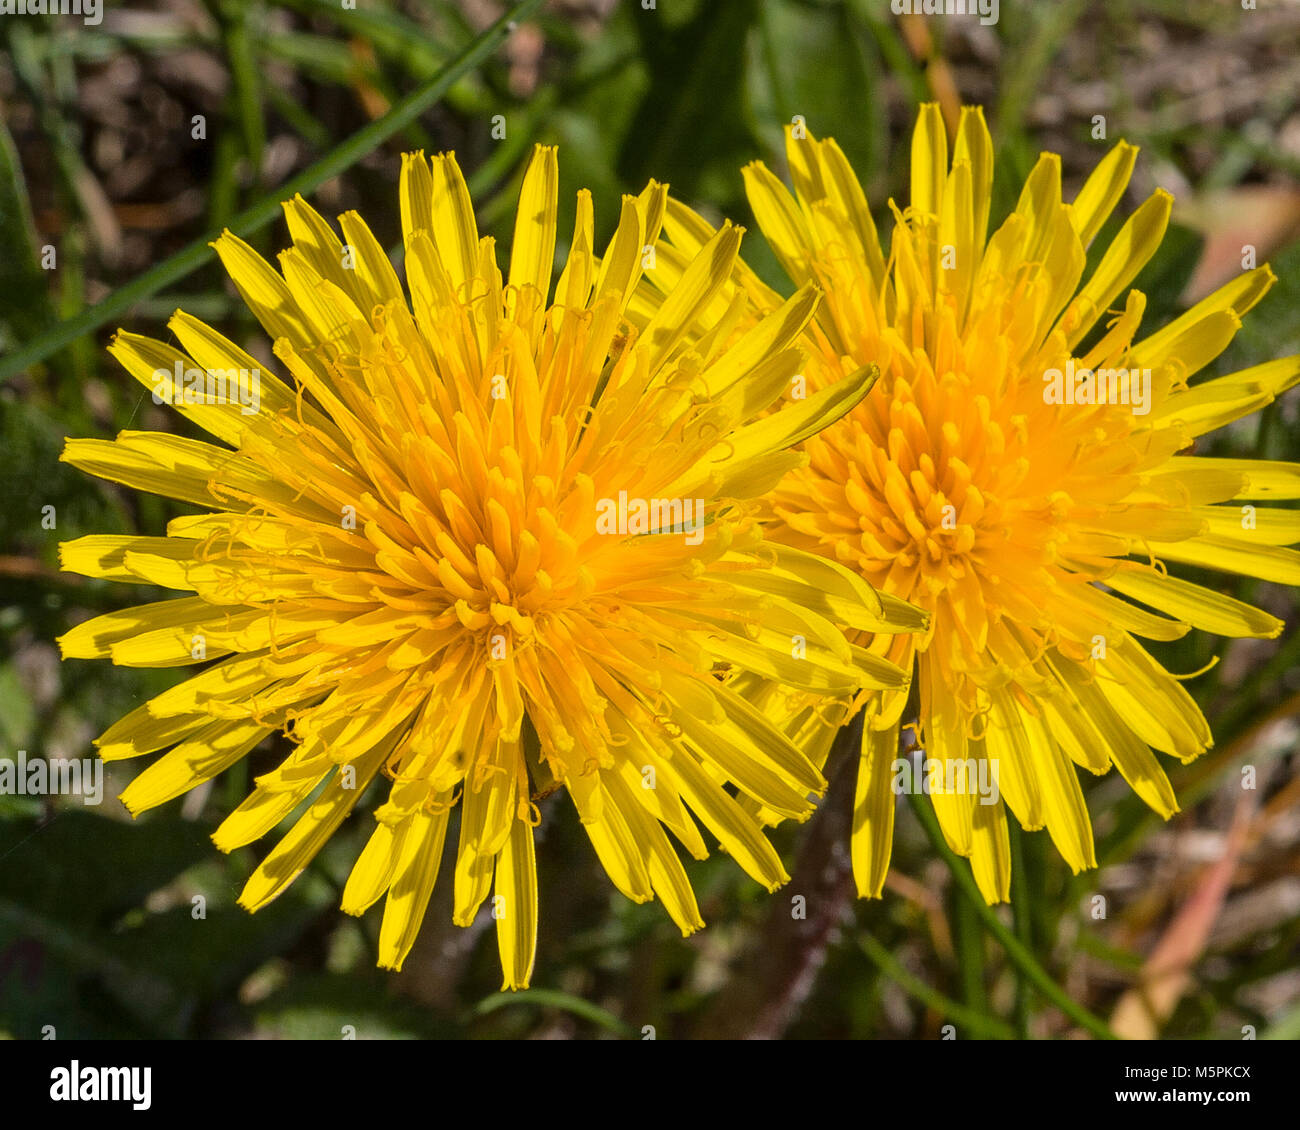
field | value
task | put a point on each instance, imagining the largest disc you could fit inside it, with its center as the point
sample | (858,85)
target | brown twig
(773,981)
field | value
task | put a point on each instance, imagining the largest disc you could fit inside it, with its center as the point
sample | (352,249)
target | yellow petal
(929,160)
(516,906)
(1136,242)
(372,874)
(414,876)
(1197,605)
(209,752)
(991,851)
(873,810)
(532,255)
(287,859)
(1103,190)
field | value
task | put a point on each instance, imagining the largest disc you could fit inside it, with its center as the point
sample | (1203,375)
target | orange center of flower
(964,485)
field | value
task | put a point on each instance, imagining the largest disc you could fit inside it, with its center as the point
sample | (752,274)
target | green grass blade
(983,1024)
(28,307)
(553,998)
(1016,952)
(190,258)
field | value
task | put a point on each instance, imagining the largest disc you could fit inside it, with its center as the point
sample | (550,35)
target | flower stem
(982,1023)
(1020,957)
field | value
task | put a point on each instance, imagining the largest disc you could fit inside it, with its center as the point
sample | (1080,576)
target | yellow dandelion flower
(1021,471)
(481,546)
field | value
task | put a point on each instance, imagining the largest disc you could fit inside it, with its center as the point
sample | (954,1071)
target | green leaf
(553,998)
(81,868)
(836,97)
(17,713)
(686,128)
(334,1007)
(27,308)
